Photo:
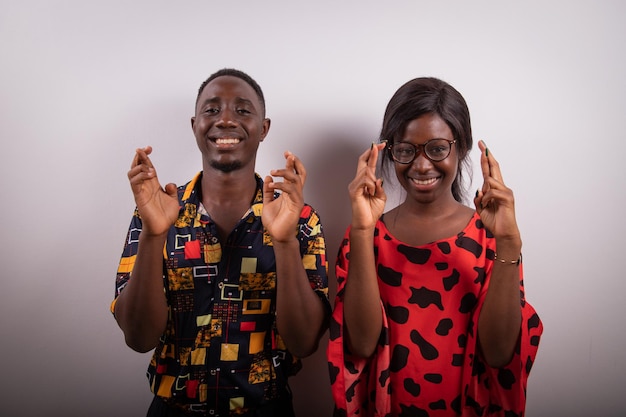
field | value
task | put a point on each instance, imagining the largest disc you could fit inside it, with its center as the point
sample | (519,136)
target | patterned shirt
(221,353)
(428,361)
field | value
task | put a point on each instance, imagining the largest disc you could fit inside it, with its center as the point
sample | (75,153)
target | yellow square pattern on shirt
(230,351)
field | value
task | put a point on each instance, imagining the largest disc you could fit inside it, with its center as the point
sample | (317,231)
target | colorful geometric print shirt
(428,361)
(221,354)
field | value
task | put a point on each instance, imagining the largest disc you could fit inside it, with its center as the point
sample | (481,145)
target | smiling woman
(426,321)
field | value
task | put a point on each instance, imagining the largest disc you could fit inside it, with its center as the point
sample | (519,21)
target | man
(225,276)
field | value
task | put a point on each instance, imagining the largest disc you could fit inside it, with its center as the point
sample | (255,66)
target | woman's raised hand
(494,201)
(366,191)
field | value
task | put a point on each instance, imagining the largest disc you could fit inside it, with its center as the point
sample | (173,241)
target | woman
(430,317)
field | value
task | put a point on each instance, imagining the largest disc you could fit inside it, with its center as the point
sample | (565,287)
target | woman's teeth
(424,182)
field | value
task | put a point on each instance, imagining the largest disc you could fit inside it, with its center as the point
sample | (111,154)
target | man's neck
(231,188)
(227,197)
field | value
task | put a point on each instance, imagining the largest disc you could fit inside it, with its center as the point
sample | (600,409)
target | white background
(82,84)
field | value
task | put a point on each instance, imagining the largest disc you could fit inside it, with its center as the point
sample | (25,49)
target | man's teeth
(424,182)
(227,141)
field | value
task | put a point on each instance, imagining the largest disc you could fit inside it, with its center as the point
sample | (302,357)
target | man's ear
(266,128)
(193,122)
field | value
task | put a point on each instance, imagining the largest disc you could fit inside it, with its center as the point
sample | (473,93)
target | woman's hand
(366,191)
(494,201)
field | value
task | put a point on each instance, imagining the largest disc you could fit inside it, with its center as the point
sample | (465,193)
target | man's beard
(226,167)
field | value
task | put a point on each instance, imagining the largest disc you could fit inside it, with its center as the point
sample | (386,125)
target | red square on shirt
(192,249)
(247,326)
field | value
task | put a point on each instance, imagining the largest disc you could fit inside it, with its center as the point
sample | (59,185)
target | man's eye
(243,111)
(212,110)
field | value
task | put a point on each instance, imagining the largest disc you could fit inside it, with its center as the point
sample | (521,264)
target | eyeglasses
(435,149)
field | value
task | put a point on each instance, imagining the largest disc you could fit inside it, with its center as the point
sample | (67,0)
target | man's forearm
(141,308)
(300,314)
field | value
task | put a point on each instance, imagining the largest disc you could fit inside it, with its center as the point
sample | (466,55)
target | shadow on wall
(331,166)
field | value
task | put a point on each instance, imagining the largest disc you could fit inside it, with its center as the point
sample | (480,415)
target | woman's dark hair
(428,95)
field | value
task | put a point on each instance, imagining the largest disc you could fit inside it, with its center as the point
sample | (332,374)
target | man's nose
(228,118)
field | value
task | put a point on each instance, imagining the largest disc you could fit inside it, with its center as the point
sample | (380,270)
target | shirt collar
(191,193)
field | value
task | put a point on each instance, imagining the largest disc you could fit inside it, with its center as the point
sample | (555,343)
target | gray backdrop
(82,84)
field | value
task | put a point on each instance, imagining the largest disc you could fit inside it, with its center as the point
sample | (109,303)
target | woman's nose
(421,162)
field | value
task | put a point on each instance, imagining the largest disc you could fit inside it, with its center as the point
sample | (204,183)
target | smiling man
(224,277)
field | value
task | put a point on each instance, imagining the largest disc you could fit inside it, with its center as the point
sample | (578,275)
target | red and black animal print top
(428,361)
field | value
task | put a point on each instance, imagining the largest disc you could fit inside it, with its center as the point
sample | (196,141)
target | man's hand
(157,206)
(280,215)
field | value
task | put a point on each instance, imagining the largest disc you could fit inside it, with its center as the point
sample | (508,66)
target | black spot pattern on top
(480,275)
(415,255)
(350,367)
(462,340)
(424,297)
(506,378)
(434,378)
(534,340)
(412,387)
(444,326)
(389,276)
(441,266)
(351,390)
(398,314)
(533,322)
(456,405)
(438,405)
(470,401)
(399,358)
(450,281)
(469,244)
(412,411)
(428,351)
(529,364)
(444,247)
(468,302)
(333,371)
(457,360)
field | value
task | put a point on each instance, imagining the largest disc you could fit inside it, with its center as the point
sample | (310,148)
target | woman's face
(423,180)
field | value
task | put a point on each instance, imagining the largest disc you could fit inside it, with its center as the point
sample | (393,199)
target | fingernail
(372,147)
(486,151)
(476,193)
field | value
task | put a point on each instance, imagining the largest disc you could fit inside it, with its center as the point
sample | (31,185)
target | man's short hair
(239,74)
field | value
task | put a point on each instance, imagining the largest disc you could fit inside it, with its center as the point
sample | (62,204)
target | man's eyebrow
(245,101)
(210,100)
(217,99)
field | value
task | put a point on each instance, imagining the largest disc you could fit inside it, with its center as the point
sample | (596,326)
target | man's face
(229,124)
